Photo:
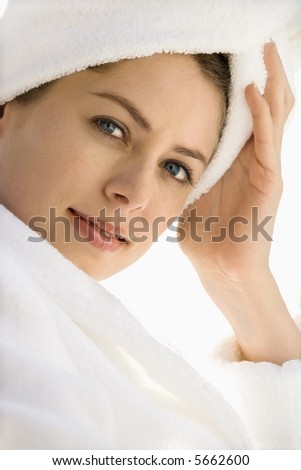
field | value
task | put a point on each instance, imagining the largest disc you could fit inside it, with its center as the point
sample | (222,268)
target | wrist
(257,313)
(236,280)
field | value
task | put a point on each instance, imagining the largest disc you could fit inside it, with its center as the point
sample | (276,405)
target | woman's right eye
(110,129)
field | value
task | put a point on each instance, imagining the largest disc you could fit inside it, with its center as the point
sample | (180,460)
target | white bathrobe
(77,371)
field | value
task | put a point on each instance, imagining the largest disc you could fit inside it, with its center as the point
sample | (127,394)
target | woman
(93,156)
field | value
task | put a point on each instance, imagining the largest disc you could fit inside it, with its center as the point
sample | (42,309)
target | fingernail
(273,44)
(256,87)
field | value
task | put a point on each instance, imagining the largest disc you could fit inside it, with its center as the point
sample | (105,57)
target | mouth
(106,230)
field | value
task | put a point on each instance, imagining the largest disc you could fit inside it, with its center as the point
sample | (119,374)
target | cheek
(39,168)
(20,179)
(60,157)
(164,212)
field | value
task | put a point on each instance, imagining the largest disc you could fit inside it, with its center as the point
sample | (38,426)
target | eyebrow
(130,107)
(191,153)
(142,122)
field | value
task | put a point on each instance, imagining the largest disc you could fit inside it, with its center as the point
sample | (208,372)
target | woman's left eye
(110,128)
(180,172)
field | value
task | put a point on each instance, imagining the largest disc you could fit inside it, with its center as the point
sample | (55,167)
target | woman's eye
(179,171)
(110,128)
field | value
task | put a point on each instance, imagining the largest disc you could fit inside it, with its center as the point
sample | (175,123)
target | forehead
(175,79)
(163,66)
(168,69)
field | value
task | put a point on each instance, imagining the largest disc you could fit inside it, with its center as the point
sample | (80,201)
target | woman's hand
(233,258)
(254,180)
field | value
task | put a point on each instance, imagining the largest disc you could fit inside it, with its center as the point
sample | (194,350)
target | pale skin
(71,164)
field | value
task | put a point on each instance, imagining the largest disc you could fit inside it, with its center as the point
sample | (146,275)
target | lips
(105,228)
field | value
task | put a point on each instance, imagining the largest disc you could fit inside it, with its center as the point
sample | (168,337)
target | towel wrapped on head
(42,41)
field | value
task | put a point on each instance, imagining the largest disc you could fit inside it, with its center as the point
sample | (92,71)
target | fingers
(278,92)
(263,127)
(274,91)
(270,111)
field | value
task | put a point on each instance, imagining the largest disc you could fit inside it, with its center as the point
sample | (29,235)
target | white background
(163,291)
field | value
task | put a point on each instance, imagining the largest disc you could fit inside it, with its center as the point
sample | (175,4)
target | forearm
(258,315)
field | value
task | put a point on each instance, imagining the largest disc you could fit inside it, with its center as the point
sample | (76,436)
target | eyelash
(126,139)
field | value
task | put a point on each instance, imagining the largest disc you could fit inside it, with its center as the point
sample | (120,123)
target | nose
(130,187)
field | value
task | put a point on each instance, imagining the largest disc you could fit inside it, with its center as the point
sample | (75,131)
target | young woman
(94,150)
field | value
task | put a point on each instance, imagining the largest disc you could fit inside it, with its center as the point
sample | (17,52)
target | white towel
(41,41)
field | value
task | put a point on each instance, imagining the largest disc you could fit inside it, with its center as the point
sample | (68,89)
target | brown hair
(215,67)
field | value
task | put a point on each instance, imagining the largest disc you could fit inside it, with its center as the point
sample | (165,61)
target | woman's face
(124,145)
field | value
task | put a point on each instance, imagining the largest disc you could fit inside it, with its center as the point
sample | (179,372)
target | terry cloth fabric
(77,371)
(253,389)
(45,40)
